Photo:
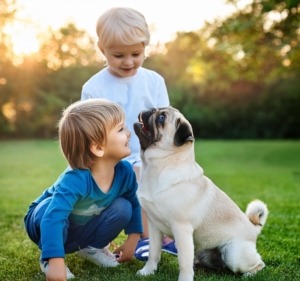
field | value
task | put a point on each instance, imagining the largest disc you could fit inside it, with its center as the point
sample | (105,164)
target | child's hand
(125,252)
(56,270)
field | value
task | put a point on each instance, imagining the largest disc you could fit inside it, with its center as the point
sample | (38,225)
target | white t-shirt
(145,90)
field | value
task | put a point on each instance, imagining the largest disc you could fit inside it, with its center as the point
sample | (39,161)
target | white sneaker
(44,268)
(101,257)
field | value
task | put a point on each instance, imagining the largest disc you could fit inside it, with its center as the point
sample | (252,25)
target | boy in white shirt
(123,35)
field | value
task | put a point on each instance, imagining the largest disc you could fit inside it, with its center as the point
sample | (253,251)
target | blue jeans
(98,232)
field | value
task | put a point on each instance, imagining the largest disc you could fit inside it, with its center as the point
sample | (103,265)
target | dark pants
(98,232)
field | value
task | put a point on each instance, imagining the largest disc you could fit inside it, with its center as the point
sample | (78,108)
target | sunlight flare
(24,39)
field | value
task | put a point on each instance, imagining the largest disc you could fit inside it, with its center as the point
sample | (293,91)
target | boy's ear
(97,150)
(100,48)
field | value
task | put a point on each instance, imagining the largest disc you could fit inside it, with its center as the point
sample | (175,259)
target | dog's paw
(255,270)
(186,276)
(145,271)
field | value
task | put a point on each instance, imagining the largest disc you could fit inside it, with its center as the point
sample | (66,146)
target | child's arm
(126,251)
(56,270)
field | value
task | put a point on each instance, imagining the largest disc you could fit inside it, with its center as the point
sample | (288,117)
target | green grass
(245,170)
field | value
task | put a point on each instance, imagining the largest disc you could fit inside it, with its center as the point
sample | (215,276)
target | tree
(7,69)
(224,77)
(66,47)
(43,84)
(66,60)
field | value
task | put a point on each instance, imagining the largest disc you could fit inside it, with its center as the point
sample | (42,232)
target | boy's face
(117,145)
(124,60)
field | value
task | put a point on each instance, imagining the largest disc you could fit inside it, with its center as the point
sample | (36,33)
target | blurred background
(231,67)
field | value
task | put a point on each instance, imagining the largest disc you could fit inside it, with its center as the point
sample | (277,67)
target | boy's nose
(128,61)
(128,133)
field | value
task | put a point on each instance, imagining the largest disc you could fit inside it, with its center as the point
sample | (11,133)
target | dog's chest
(157,213)
(147,196)
(156,201)
(151,197)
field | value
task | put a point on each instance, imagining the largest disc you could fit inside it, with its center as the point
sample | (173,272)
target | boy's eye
(121,56)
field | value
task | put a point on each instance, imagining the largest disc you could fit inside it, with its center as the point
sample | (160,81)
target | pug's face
(163,127)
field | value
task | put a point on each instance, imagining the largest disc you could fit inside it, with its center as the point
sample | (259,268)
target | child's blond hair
(122,26)
(84,123)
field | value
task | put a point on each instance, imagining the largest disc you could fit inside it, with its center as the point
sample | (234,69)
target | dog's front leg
(183,235)
(155,242)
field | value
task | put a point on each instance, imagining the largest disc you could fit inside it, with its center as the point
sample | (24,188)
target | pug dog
(181,202)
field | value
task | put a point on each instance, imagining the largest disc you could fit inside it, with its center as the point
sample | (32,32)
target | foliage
(245,170)
(234,78)
(238,77)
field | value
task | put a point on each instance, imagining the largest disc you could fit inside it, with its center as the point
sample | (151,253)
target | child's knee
(122,209)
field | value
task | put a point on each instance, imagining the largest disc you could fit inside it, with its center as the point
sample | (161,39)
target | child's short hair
(123,26)
(84,123)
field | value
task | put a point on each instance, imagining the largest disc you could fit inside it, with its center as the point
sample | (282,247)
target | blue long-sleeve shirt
(77,197)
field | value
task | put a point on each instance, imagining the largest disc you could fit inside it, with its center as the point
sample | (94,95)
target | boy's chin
(127,154)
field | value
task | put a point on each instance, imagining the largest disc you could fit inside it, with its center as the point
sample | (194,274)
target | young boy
(95,197)
(123,35)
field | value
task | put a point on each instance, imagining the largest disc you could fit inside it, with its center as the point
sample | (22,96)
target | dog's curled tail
(257,212)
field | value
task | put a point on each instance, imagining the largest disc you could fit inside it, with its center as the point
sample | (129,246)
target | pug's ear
(183,134)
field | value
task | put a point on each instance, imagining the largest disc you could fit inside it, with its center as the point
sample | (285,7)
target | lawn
(245,170)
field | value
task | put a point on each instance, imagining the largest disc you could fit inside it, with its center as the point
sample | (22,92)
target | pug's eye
(161,118)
